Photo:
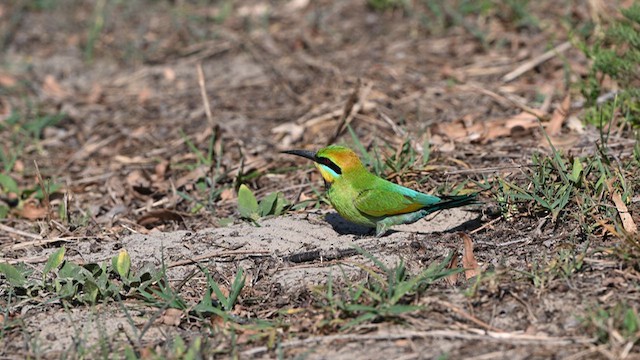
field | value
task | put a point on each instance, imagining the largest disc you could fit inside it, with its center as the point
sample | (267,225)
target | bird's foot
(381,229)
(383,225)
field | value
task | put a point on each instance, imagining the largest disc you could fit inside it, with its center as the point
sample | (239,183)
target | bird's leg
(383,225)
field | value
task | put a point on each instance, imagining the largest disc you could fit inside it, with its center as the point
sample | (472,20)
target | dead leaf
(627,221)
(227,194)
(5,109)
(161,169)
(469,130)
(453,264)
(575,125)
(7,80)
(468,259)
(447,147)
(157,217)
(169,74)
(561,141)
(32,211)
(139,182)
(448,72)
(559,115)
(305,197)
(217,322)
(294,5)
(194,175)
(95,94)
(253,11)
(290,133)
(136,160)
(171,317)
(18,166)
(52,88)
(144,95)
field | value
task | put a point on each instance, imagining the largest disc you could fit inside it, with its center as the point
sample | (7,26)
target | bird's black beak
(303,153)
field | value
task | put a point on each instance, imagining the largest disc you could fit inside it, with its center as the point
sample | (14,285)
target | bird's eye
(330,164)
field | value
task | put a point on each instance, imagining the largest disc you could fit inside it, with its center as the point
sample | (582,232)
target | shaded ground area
(144,118)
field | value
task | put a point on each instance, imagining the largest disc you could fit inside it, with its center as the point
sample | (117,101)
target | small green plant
(381,5)
(214,179)
(19,131)
(621,318)
(401,161)
(87,284)
(383,296)
(551,185)
(616,55)
(252,210)
(556,183)
(94,283)
(224,303)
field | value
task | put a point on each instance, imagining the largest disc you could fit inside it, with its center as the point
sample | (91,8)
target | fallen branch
(218,254)
(530,64)
(322,255)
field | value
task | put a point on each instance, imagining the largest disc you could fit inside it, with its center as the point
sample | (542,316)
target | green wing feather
(385,202)
(388,199)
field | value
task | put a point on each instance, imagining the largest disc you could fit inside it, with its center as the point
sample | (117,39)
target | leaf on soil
(8,185)
(95,94)
(32,211)
(453,278)
(5,109)
(144,95)
(267,204)
(627,221)
(193,176)
(169,74)
(289,133)
(468,130)
(227,194)
(54,260)
(576,171)
(7,80)
(52,88)
(171,317)
(161,216)
(247,204)
(468,259)
(13,275)
(122,263)
(559,116)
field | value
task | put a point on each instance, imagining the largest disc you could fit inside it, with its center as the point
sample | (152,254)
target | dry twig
(530,64)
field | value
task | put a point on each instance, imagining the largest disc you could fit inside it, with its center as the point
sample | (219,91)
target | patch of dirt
(535,323)
(166,107)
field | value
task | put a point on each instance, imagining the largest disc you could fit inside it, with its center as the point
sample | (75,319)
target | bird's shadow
(343,227)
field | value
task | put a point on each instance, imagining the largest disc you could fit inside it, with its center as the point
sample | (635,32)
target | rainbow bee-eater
(366,199)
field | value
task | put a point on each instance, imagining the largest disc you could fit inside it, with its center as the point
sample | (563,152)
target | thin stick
(354,105)
(205,97)
(530,64)
(40,242)
(484,170)
(217,254)
(31,260)
(469,317)
(19,232)
(45,193)
(485,225)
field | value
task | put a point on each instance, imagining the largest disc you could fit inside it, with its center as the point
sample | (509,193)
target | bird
(366,199)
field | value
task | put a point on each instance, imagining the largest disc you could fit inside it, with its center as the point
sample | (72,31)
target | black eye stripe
(330,164)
